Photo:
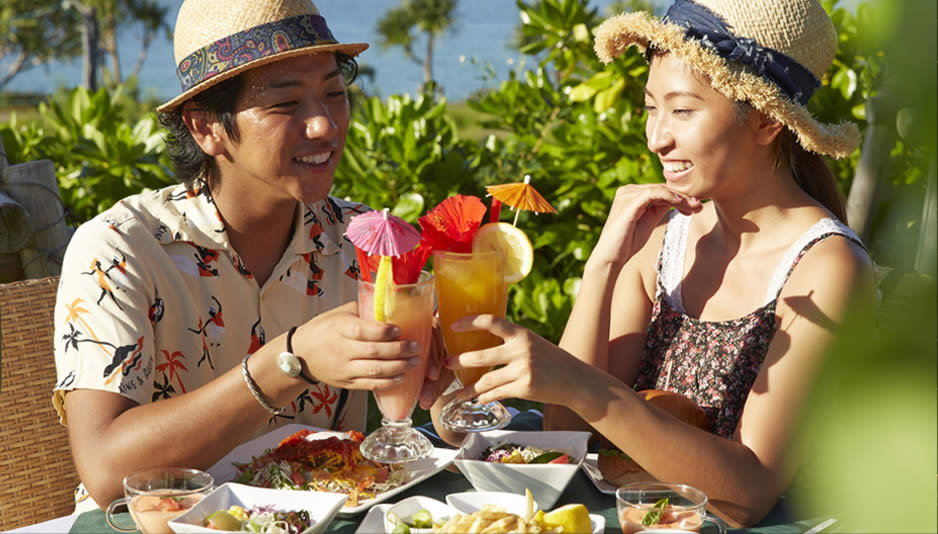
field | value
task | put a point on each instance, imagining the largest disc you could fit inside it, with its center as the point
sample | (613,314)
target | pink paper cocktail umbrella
(385,235)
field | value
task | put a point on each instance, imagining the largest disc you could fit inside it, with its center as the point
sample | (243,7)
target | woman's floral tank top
(714,363)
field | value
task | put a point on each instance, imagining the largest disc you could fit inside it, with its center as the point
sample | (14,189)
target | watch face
(289,363)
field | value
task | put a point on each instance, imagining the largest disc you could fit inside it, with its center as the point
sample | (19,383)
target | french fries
(492,519)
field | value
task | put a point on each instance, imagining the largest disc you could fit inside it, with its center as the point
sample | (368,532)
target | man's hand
(348,352)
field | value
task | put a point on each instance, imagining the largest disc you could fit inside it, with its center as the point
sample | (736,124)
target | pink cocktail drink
(410,307)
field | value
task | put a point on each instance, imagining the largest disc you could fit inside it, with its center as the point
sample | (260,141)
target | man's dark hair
(190,164)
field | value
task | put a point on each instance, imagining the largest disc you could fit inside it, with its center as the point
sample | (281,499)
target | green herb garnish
(654,515)
(546,457)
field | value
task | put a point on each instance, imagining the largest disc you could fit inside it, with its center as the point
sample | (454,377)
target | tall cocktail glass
(470,284)
(410,307)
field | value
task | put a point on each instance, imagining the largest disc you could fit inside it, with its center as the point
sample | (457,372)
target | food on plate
(153,511)
(512,453)
(491,519)
(265,519)
(421,519)
(569,517)
(304,462)
(659,516)
(616,466)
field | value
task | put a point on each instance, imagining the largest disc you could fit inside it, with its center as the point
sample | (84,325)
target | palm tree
(172,364)
(432,17)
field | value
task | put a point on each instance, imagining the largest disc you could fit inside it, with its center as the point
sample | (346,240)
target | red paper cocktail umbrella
(452,223)
(521,196)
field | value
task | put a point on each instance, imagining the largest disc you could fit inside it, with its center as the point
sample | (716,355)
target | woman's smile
(675,170)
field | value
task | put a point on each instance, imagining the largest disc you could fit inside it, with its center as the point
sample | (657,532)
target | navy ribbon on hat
(252,44)
(702,24)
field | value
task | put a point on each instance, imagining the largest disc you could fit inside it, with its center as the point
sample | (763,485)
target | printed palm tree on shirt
(164,390)
(75,312)
(171,365)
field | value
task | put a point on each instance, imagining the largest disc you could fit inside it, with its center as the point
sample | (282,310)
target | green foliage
(100,156)
(403,154)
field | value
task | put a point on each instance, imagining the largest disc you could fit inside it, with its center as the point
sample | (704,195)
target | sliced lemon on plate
(516,250)
(571,518)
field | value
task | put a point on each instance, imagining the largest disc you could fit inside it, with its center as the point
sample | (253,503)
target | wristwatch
(290,364)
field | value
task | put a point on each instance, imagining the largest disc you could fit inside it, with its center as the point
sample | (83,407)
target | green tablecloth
(580,490)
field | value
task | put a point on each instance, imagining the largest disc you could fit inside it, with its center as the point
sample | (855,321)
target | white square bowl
(546,481)
(321,506)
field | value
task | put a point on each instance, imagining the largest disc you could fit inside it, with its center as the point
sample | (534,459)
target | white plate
(420,470)
(590,466)
(321,506)
(469,502)
(373,522)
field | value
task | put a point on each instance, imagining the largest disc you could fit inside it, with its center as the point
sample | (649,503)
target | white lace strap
(827,225)
(671,269)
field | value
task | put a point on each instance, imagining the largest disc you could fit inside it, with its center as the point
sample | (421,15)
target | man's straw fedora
(217,39)
(769,53)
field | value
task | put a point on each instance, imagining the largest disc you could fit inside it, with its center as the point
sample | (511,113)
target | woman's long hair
(809,169)
(812,174)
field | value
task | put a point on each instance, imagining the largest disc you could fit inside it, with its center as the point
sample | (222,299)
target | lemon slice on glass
(515,247)
(384,292)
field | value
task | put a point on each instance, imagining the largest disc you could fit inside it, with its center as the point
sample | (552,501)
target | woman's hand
(438,377)
(534,368)
(345,351)
(635,212)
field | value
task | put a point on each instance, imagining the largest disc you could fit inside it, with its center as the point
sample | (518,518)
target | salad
(259,519)
(512,453)
(332,464)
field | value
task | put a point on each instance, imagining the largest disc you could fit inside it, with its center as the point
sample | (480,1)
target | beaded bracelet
(256,391)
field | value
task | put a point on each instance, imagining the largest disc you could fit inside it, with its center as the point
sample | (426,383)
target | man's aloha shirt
(153,301)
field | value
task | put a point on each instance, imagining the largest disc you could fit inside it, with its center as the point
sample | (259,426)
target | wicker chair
(37,475)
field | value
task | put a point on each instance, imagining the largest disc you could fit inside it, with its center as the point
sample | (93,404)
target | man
(196,317)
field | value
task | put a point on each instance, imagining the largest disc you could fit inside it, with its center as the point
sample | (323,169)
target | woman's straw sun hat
(769,53)
(217,39)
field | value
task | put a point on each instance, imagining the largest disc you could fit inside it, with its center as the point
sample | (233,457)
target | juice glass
(470,284)
(410,307)
(156,496)
(641,507)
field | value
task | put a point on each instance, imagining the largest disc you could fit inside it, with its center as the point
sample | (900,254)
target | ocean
(483,32)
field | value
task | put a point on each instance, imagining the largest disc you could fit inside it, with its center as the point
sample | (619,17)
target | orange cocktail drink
(410,307)
(469,284)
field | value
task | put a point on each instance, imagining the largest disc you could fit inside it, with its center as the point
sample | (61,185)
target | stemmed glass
(410,307)
(469,284)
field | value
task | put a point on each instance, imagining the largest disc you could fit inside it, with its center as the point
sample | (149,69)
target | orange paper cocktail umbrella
(520,196)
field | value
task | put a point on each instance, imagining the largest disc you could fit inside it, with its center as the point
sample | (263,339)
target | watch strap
(302,374)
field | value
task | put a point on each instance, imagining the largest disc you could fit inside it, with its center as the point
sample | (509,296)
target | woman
(730,302)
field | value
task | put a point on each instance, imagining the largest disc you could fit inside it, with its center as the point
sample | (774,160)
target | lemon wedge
(571,518)
(516,250)
(384,293)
